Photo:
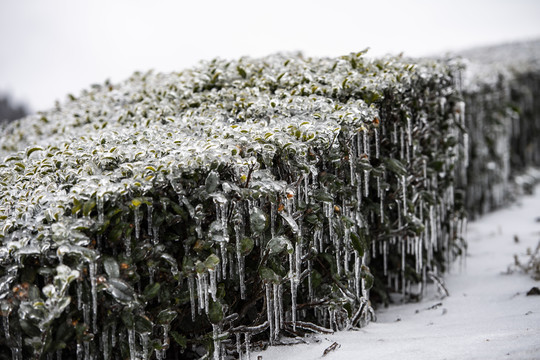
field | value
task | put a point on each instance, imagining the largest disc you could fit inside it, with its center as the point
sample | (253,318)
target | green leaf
(32,150)
(180,339)
(242,72)
(322,195)
(143,324)
(166,317)
(211,262)
(359,241)
(215,312)
(395,166)
(246,245)
(151,291)
(136,202)
(88,206)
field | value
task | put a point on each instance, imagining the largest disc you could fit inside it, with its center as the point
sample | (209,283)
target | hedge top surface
(115,139)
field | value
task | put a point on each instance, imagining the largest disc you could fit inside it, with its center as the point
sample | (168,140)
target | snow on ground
(486,316)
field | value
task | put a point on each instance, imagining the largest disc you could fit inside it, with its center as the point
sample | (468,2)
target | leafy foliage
(248,199)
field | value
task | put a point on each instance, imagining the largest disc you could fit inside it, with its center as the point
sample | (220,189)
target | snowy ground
(486,316)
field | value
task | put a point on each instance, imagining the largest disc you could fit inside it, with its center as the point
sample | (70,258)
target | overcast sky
(50,48)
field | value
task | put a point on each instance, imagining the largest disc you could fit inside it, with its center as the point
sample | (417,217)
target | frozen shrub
(196,213)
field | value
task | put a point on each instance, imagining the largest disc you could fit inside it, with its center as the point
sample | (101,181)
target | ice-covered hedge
(193,214)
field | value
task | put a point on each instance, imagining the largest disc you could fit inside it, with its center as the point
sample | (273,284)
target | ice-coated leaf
(290,221)
(211,262)
(88,207)
(257,220)
(121,291)
(143,324)
(395,166)
(323,196)
(269,275)
(166,316)
(246,245)
(111,267)
(278,244)
(359,241)
(212,181)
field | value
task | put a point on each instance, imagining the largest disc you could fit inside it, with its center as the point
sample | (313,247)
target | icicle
(59,354)
(240,260)
(277,310)
(105,342)
(357,277)
(465,150)
(381,210)
(150,221)
(162,354)
(273,212)
(205,292)
(409,131)
(191,286)
(93,284)
(366,183)
(358,190)
(155,235)
(145,342)
(100,205)
(306,188)
(270,311)
(377,142)
(5,323)
(310,284)
(365,294)
(223,250)
(402,144)
(221,211)
(385,257)
(200,291)
(432,226)
(366,143)
(86,350)
(133,355)
(79,351)
(239,345)
(293,289)
(248,344)
(404,186)
(213,284)
(217,343)
(137,220)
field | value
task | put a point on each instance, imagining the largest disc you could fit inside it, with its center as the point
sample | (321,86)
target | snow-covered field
(487,315)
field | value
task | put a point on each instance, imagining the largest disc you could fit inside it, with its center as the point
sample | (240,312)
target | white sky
(49,48)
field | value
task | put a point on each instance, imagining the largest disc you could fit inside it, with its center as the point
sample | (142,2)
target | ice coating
(291,174)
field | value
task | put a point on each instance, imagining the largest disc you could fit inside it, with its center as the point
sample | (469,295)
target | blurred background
(55,47)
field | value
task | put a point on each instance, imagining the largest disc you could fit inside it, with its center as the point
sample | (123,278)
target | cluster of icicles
(398,198)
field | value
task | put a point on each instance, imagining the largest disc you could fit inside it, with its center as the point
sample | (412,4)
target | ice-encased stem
(133,355)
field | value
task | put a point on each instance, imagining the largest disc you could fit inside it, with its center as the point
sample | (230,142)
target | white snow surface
(486,316)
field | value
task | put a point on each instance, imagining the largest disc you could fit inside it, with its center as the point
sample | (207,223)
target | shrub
(239,201)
